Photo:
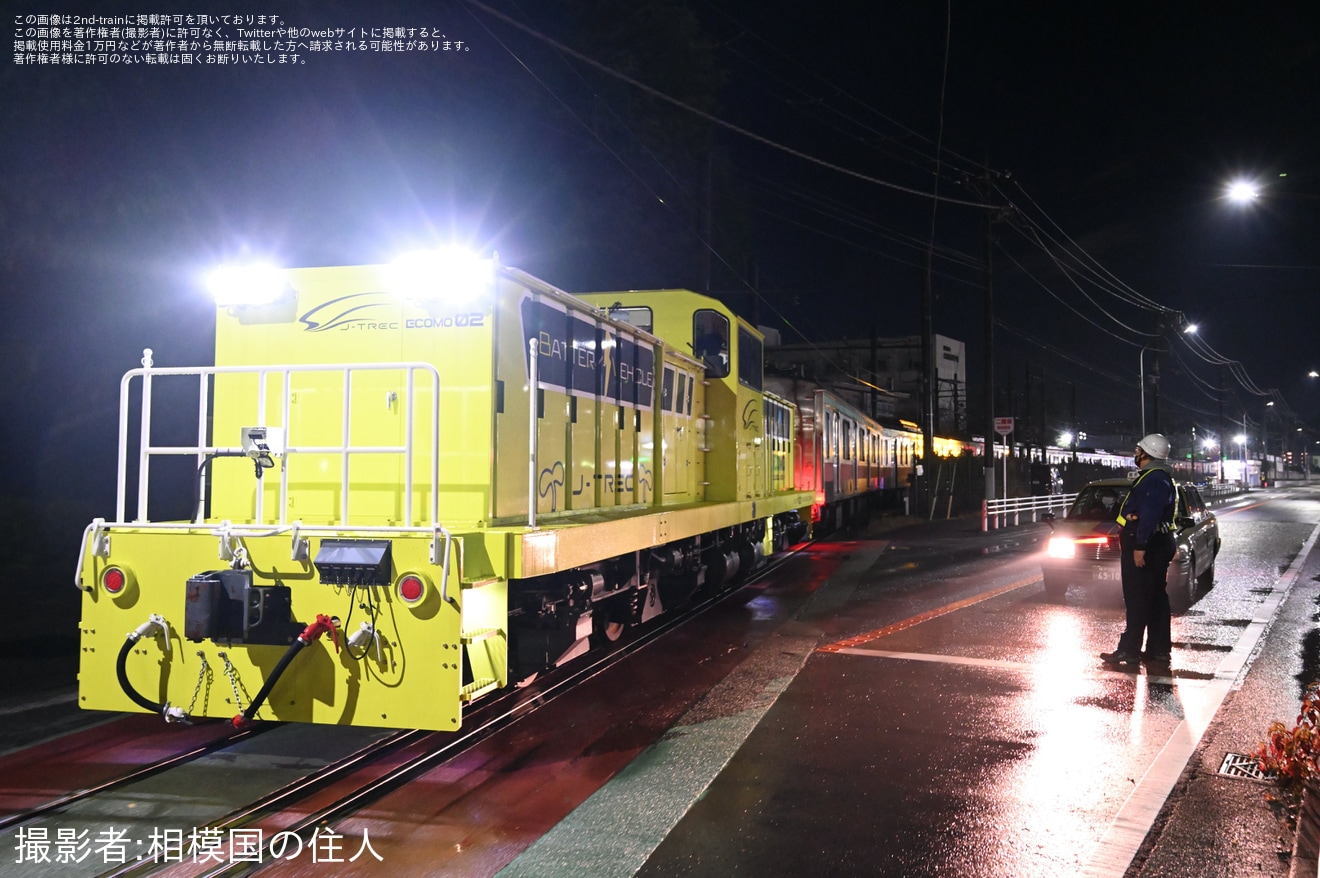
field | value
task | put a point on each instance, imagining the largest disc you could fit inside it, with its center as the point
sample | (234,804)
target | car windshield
(1098,503)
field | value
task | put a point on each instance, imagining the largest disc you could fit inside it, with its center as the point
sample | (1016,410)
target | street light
(1243,191)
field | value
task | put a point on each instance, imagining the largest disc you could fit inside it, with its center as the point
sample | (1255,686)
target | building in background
(881,376)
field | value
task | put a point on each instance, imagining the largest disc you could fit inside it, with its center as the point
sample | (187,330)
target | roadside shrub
(1292,755)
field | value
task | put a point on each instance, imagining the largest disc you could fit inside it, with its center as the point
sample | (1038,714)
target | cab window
(749,359)
(710,341)
(638,316)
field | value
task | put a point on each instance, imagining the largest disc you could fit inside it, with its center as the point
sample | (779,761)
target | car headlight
(1059,547)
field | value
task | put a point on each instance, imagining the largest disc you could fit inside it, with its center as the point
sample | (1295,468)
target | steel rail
(528,702)
(136,775)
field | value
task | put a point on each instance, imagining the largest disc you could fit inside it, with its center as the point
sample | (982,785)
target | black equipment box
(224,605)
(354,562)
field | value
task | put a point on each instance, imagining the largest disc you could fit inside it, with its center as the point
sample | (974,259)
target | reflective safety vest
(1164,526)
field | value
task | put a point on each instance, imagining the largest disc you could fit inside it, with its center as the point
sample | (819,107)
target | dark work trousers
(1146,597)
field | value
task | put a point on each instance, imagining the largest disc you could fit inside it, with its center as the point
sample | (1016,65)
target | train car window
(692,383)
(847,440)
(682,389)
(710,341)
(667,390)
(750,359)
(638,316)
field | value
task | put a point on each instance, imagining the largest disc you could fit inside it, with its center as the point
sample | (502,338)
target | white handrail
(995,513)
(206,375)
(533,411)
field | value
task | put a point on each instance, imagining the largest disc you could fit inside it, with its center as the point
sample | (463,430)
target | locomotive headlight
(450,276)
(248,285)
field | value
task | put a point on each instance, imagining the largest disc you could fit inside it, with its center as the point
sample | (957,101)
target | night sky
(795,180)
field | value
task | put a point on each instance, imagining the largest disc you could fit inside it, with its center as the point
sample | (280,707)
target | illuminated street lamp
(1243,191)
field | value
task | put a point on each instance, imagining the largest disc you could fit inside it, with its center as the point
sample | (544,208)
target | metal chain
(233,680)
(201,675)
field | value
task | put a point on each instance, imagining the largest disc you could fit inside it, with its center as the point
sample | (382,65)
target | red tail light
(411,588)
(113,580)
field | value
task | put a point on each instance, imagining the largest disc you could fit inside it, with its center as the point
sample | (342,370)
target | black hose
(197,480)
(280,666)
(121,670)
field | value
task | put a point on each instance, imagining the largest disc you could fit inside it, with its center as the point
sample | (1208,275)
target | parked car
(1083,546)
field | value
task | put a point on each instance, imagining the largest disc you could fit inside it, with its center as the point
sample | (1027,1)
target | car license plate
(1106,574)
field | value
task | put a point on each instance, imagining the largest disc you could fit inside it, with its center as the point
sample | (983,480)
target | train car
(412,485)
(852,462)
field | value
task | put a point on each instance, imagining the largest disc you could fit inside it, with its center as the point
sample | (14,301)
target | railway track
(321,798)
(140,773)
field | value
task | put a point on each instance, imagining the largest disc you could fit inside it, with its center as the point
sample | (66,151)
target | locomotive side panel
(680,457)
(595,415)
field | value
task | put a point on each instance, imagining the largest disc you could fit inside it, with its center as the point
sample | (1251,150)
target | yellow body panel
(419,646)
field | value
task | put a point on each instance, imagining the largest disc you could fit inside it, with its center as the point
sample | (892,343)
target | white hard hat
(1156,445)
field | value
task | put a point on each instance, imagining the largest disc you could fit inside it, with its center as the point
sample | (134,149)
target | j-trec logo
(376,312)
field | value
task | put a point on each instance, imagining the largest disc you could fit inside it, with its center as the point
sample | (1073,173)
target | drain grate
(1244,767)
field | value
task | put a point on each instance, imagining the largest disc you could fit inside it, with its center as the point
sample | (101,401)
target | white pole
(1006,466)
(531,433)
(144,440)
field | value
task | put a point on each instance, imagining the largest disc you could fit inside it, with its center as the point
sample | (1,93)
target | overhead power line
(716,120)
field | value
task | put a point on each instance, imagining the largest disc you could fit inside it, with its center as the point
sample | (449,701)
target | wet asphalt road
(987,740)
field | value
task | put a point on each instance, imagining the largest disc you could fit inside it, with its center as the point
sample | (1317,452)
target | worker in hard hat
(1147,543)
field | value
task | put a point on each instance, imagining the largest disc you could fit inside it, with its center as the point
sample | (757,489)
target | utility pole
(927,374)
(1155,390)
(707,214)
(988,340)
(1072,386)
(1222,438)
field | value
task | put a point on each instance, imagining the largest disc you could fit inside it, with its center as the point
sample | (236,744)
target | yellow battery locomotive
(410,485)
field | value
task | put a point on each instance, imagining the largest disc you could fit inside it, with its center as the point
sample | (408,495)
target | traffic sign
(1003,426)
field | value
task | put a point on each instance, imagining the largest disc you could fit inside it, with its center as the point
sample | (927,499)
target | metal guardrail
(997,513)
(1214,492)
(1009,512)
